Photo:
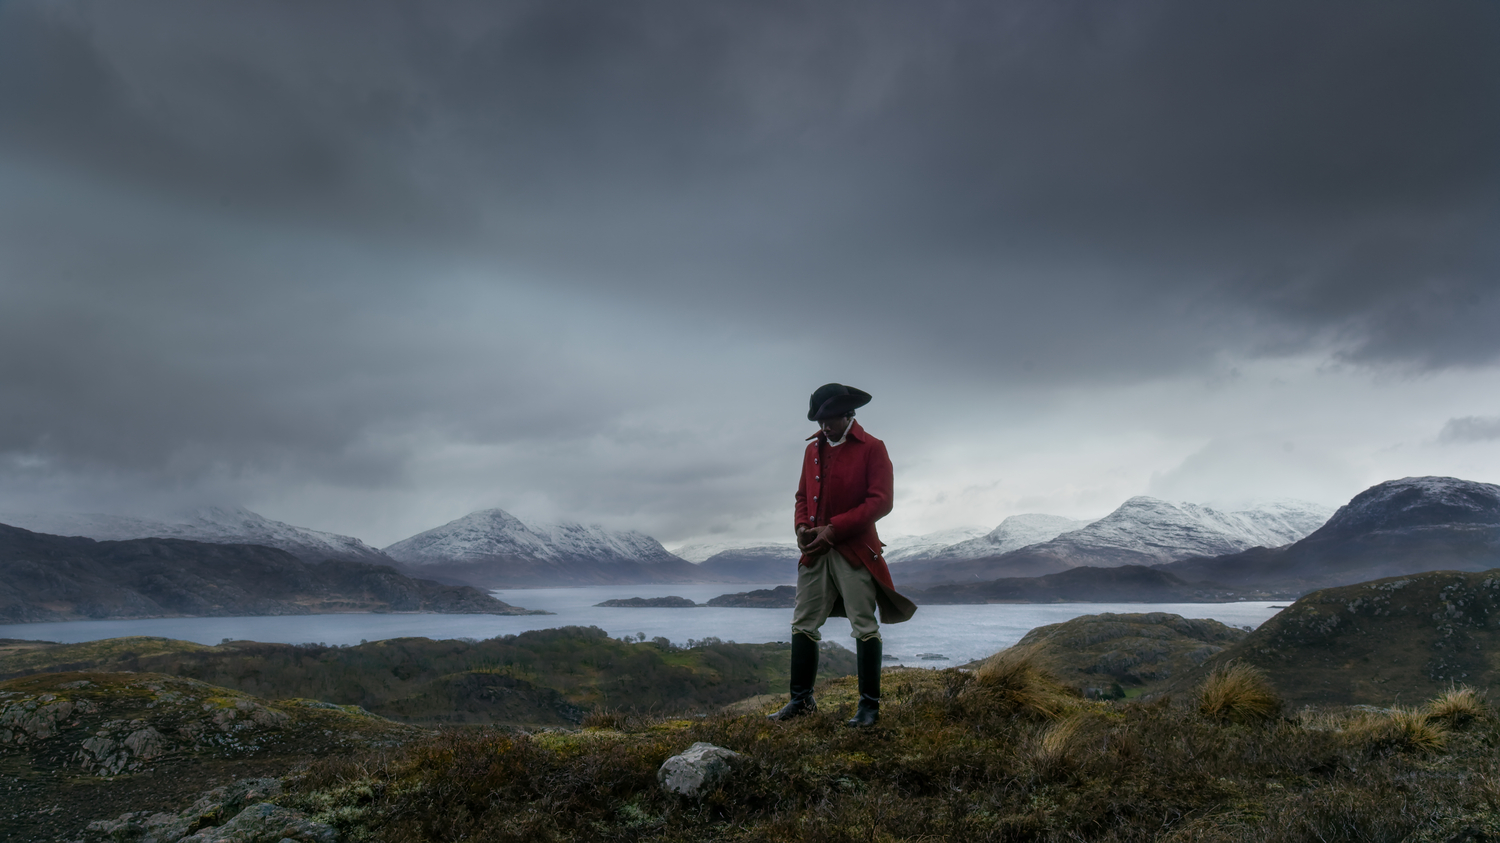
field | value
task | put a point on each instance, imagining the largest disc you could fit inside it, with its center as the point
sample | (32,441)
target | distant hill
(1142,531)
(217,525)
(1123,584)
(1398,527)
(493,549)
(1014,533)
(52,578)
(1393,640)
(1095,652)
(765,564)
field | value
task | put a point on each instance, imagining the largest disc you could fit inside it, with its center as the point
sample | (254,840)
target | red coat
(849,487)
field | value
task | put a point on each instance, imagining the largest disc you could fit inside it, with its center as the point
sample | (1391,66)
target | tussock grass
(1015,686)
(1458,706)
(1397,730)
(1238,693)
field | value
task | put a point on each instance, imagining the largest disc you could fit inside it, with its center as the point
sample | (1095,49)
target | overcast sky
(367,267)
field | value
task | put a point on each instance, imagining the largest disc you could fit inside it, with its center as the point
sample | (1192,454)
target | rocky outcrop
(237,813)
(105,724)
(702,767)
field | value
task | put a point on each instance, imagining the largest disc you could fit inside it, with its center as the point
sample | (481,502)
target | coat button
(815,477)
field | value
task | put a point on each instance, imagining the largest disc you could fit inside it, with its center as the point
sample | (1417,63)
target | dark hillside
(52,578)
(1396,640)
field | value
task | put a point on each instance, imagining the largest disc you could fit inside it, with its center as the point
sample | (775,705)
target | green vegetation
(543,677)
(1000,753)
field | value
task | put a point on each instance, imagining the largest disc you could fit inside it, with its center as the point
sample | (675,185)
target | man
(845,488)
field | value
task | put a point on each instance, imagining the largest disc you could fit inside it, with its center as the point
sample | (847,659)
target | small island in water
(780,597)
(670,602)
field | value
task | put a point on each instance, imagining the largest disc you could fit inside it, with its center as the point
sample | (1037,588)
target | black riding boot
(867,654)
(804,674)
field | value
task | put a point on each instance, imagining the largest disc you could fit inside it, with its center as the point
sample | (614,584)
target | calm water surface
(961,633)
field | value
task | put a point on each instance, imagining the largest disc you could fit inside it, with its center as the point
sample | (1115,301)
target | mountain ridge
(1142,531)
(492,548)
(1393,528)
(212,524)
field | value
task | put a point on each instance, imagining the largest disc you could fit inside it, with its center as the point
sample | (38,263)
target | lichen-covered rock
(701,767)
(236,812)
(112,724)
(36,718)
(264,822)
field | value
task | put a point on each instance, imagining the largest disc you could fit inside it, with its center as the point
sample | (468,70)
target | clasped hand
(815,540)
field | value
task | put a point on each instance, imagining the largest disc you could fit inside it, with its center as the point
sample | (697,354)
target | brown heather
(998,754)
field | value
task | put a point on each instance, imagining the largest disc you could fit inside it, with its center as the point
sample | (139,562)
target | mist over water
(962,633)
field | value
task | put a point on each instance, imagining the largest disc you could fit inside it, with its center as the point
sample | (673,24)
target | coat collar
(856,433)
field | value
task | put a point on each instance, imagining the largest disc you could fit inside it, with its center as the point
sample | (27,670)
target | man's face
(834,428)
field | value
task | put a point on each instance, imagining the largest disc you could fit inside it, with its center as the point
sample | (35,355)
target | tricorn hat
(832,400)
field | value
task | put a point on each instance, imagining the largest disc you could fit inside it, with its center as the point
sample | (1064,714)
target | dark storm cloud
(231,230)
(1329,167)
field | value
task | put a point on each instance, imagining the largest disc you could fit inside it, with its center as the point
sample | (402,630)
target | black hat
(832,400)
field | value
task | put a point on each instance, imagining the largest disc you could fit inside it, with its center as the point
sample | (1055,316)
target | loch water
(956,633)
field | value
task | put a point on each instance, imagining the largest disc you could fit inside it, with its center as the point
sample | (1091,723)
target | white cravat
(833,444)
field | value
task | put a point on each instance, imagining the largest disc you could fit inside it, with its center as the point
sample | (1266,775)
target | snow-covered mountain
(1144,531)
(217,525)
(1014,533)
(1416,503)
(494,549)
(926,545)
(1149,531)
